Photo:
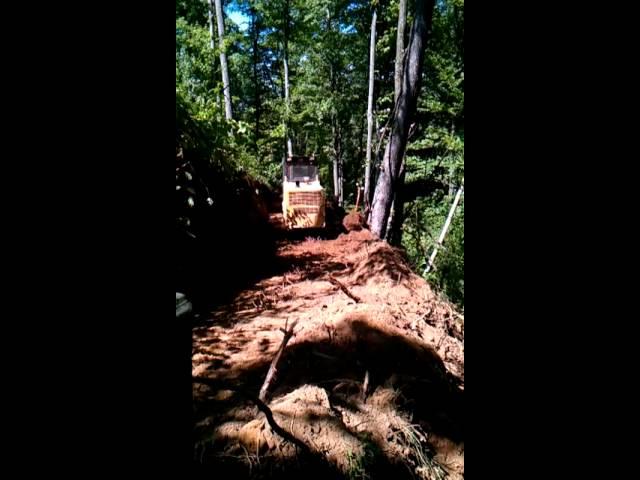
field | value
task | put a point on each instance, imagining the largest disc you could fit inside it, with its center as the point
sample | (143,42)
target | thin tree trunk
(336,166)
(340,169)
(256,83)
(394,225)
(213,43)
(407,102)
(361,152)
(286,77)
(223,62)
(402,22)
(445,227)
(336,185)
(452,169)
(286,99)
(372,61)
(211,31)
(394,236)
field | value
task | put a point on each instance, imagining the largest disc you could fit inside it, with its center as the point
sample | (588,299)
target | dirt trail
(360,312)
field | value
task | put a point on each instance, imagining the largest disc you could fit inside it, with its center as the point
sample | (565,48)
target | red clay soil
(354,221)
(372,382)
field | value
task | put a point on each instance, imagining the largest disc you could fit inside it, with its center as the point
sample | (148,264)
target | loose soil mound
(372,382)
(354,221)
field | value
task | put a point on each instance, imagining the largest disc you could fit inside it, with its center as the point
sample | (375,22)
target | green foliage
(360,464)
(436,153)
(424,219)
(193,11)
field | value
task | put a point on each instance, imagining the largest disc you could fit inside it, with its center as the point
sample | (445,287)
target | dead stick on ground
(261,406)
(365,386)
(272,369)
(346,291)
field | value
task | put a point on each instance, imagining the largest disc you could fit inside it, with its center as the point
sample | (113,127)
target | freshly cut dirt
(354,221)
(400,336)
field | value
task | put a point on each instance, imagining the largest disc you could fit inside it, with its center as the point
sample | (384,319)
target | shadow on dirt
(338,364)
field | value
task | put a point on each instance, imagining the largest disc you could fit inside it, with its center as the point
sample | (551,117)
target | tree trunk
(340,168)
(394,234)
(223,62)
(336,192)
(286,77)
(396,218)
(256,82)
(211,31)
(402,22)
(407,102)
(452,169)
(337,167)
(372,61)
(213,42)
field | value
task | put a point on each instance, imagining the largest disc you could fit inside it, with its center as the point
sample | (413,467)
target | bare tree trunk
(336,187)
(211,31)
(361,153)
(394,235)
(402,22)
(256,82)
(223,62)
(406,107)
(336,193)
(372,61)
(213,43)
(452,169)
(340,169)
(394,225)
(286,77)
(445,227)
(336,173)
(341,182)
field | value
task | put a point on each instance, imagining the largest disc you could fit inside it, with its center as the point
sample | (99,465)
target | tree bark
(367,170)
(212,35)
(396,217)
(394,235)
(340,168)
(402,22)
(406,107)
(211,28)
(286,77)
(338,177)
(228,113)
(256,82)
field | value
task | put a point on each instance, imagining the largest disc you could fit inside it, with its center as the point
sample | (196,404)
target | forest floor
(362,320)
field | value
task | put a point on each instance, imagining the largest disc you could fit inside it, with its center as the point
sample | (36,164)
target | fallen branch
(261,406)
(445,227)
(365,386)
(273,368)
(346,291)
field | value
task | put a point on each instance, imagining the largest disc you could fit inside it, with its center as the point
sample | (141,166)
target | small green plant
(360,464)
(356,466)
(426,465)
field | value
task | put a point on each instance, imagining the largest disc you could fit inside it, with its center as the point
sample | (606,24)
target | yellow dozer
(303,198)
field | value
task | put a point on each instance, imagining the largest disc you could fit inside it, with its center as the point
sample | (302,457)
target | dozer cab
(303,198)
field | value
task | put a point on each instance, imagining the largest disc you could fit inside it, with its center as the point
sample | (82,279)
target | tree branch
(261,406)
(342,287)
